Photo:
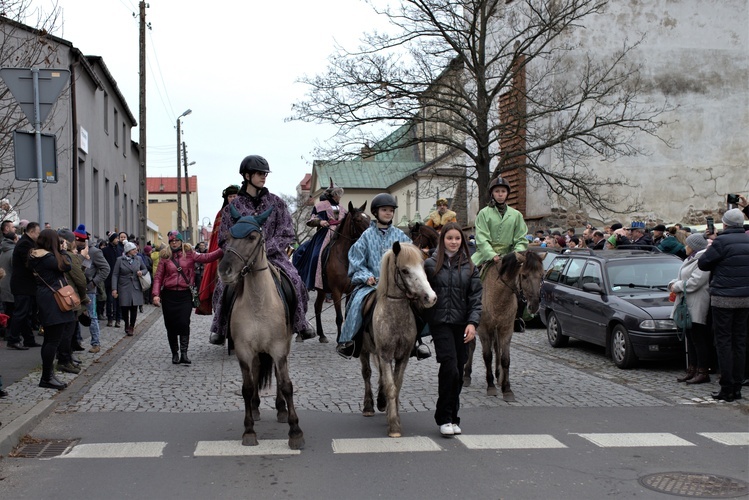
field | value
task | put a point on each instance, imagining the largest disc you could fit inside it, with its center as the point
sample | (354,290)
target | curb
(11,434)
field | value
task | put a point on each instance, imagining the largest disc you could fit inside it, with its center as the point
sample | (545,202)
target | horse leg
(388,384)
(296,436)
(486,353)
(337,295)
(282,414)
(468,368)
(366,373)
(504,347)
(249,438)
(319,300)
(255,398)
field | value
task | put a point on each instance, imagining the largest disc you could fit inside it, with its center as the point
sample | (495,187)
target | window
(106,113)
(592,274)
(572,273)
(556,269)
(115,128)
(124,140)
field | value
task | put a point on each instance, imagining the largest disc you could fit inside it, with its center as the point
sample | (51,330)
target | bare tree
(21,48)
(300,214)
(490,85)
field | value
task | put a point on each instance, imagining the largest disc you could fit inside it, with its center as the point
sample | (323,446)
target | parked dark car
(614,298)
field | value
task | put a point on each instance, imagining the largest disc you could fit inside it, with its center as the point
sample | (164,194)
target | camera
(732,199)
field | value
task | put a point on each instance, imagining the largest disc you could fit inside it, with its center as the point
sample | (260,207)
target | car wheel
(621,348)
(554,332)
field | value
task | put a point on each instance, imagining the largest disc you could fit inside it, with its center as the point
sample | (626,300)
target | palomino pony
(391,335)
(335,270)
(260,325)
(518,274)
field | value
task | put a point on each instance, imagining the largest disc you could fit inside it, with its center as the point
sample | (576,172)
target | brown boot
(691,372)
(701,377)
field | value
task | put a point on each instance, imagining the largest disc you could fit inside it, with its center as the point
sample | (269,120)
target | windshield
(642,276)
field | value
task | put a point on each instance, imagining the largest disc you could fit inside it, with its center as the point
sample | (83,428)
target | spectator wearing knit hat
(728,261)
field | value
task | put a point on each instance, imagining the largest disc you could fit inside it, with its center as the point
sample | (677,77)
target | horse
(423,236)
(260,324)
(391,335)
(335,270)
(519,274)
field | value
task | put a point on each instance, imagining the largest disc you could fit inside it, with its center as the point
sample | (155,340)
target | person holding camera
(728,261)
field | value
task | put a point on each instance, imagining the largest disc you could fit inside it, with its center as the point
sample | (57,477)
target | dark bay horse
(335,272)
(423,236)
(260,325)
(516,273)
(391,335)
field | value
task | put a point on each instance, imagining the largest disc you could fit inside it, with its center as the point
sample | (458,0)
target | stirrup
(346,349)
(519,325)
(423,352)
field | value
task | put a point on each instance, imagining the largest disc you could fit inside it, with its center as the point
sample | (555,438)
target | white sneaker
(456,429)
(447,430)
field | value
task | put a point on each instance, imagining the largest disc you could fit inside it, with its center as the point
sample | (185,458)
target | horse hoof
(283,417)
(368,413)
(508,397)
(323,339)
(491,391)
(466,381)
(299,337)
(296,443)
(394,434)
(249,440)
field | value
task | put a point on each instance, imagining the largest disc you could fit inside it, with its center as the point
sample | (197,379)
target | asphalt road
(581,428)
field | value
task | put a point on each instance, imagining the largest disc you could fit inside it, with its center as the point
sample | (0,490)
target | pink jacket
(168,277)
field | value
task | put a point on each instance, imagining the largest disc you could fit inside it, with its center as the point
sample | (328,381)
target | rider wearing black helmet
(364,267)
(254,199)
(500,229)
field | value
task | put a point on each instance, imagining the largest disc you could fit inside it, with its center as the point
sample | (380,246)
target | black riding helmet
(253,163)
(382,200)
(499,181)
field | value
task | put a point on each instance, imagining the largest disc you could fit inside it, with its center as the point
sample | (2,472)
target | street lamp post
(179,172)
(203,225)
(189,206)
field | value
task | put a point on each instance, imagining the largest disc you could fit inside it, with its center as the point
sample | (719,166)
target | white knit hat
(734,218)
(129,245)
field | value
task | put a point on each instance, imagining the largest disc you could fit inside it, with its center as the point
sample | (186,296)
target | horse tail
(266,370)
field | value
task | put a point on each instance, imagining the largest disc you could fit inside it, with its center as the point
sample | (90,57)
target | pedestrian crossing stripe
(385,445)
(232,448)
(728,438)
(510,442)
(117,450)
(635,440)
(236,449)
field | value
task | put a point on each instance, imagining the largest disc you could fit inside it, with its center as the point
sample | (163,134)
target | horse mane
(533,262)
(511,265)
(409,252)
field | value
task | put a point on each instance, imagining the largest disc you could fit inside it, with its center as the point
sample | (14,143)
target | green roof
(366,174)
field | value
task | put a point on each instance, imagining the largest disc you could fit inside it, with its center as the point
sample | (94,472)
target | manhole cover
(43,448)
(689,484)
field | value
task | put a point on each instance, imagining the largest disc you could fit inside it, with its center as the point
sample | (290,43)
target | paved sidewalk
(27,403)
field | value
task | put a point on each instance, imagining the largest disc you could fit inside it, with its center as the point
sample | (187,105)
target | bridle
(249,262)
(515,287)
(400,283)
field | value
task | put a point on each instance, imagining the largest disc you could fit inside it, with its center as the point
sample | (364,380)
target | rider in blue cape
(365,257)
(254,199)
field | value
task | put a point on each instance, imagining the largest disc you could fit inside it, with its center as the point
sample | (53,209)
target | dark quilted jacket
(728,259)
(458,293)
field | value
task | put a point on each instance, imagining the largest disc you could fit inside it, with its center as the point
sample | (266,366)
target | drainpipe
(74,121)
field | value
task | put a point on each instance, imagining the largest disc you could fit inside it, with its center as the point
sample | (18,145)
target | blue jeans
(94,328)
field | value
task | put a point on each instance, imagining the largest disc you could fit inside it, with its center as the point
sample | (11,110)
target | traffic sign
(24,155)
(20,83)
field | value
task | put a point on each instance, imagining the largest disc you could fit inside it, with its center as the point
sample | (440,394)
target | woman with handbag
(126,286)
(173,287)
(691,287)
(49,267)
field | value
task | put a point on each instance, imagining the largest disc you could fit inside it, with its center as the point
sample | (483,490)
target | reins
(516,289)
(249,266)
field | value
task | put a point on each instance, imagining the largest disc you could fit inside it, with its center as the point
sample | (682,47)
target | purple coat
(279,233)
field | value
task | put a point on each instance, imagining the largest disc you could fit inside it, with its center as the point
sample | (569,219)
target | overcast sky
(234,63)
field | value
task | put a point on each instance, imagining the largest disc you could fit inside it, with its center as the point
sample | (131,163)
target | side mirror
(593,288)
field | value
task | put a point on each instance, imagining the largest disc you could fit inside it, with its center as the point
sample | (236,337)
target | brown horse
(423,236)
(260,325)
(391,335)
(335,270)
(518,274)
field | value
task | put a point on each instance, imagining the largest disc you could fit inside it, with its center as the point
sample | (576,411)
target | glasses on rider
(262,174)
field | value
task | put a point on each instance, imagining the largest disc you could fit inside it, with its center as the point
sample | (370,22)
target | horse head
(403,267)
(357,220)
(423,236)
(244,251)
(531,274)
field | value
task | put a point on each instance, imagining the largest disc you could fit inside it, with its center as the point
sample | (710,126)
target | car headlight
(658,324)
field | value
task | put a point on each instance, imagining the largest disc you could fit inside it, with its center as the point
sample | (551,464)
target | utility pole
(187,190)
(142,172)
(179,178)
